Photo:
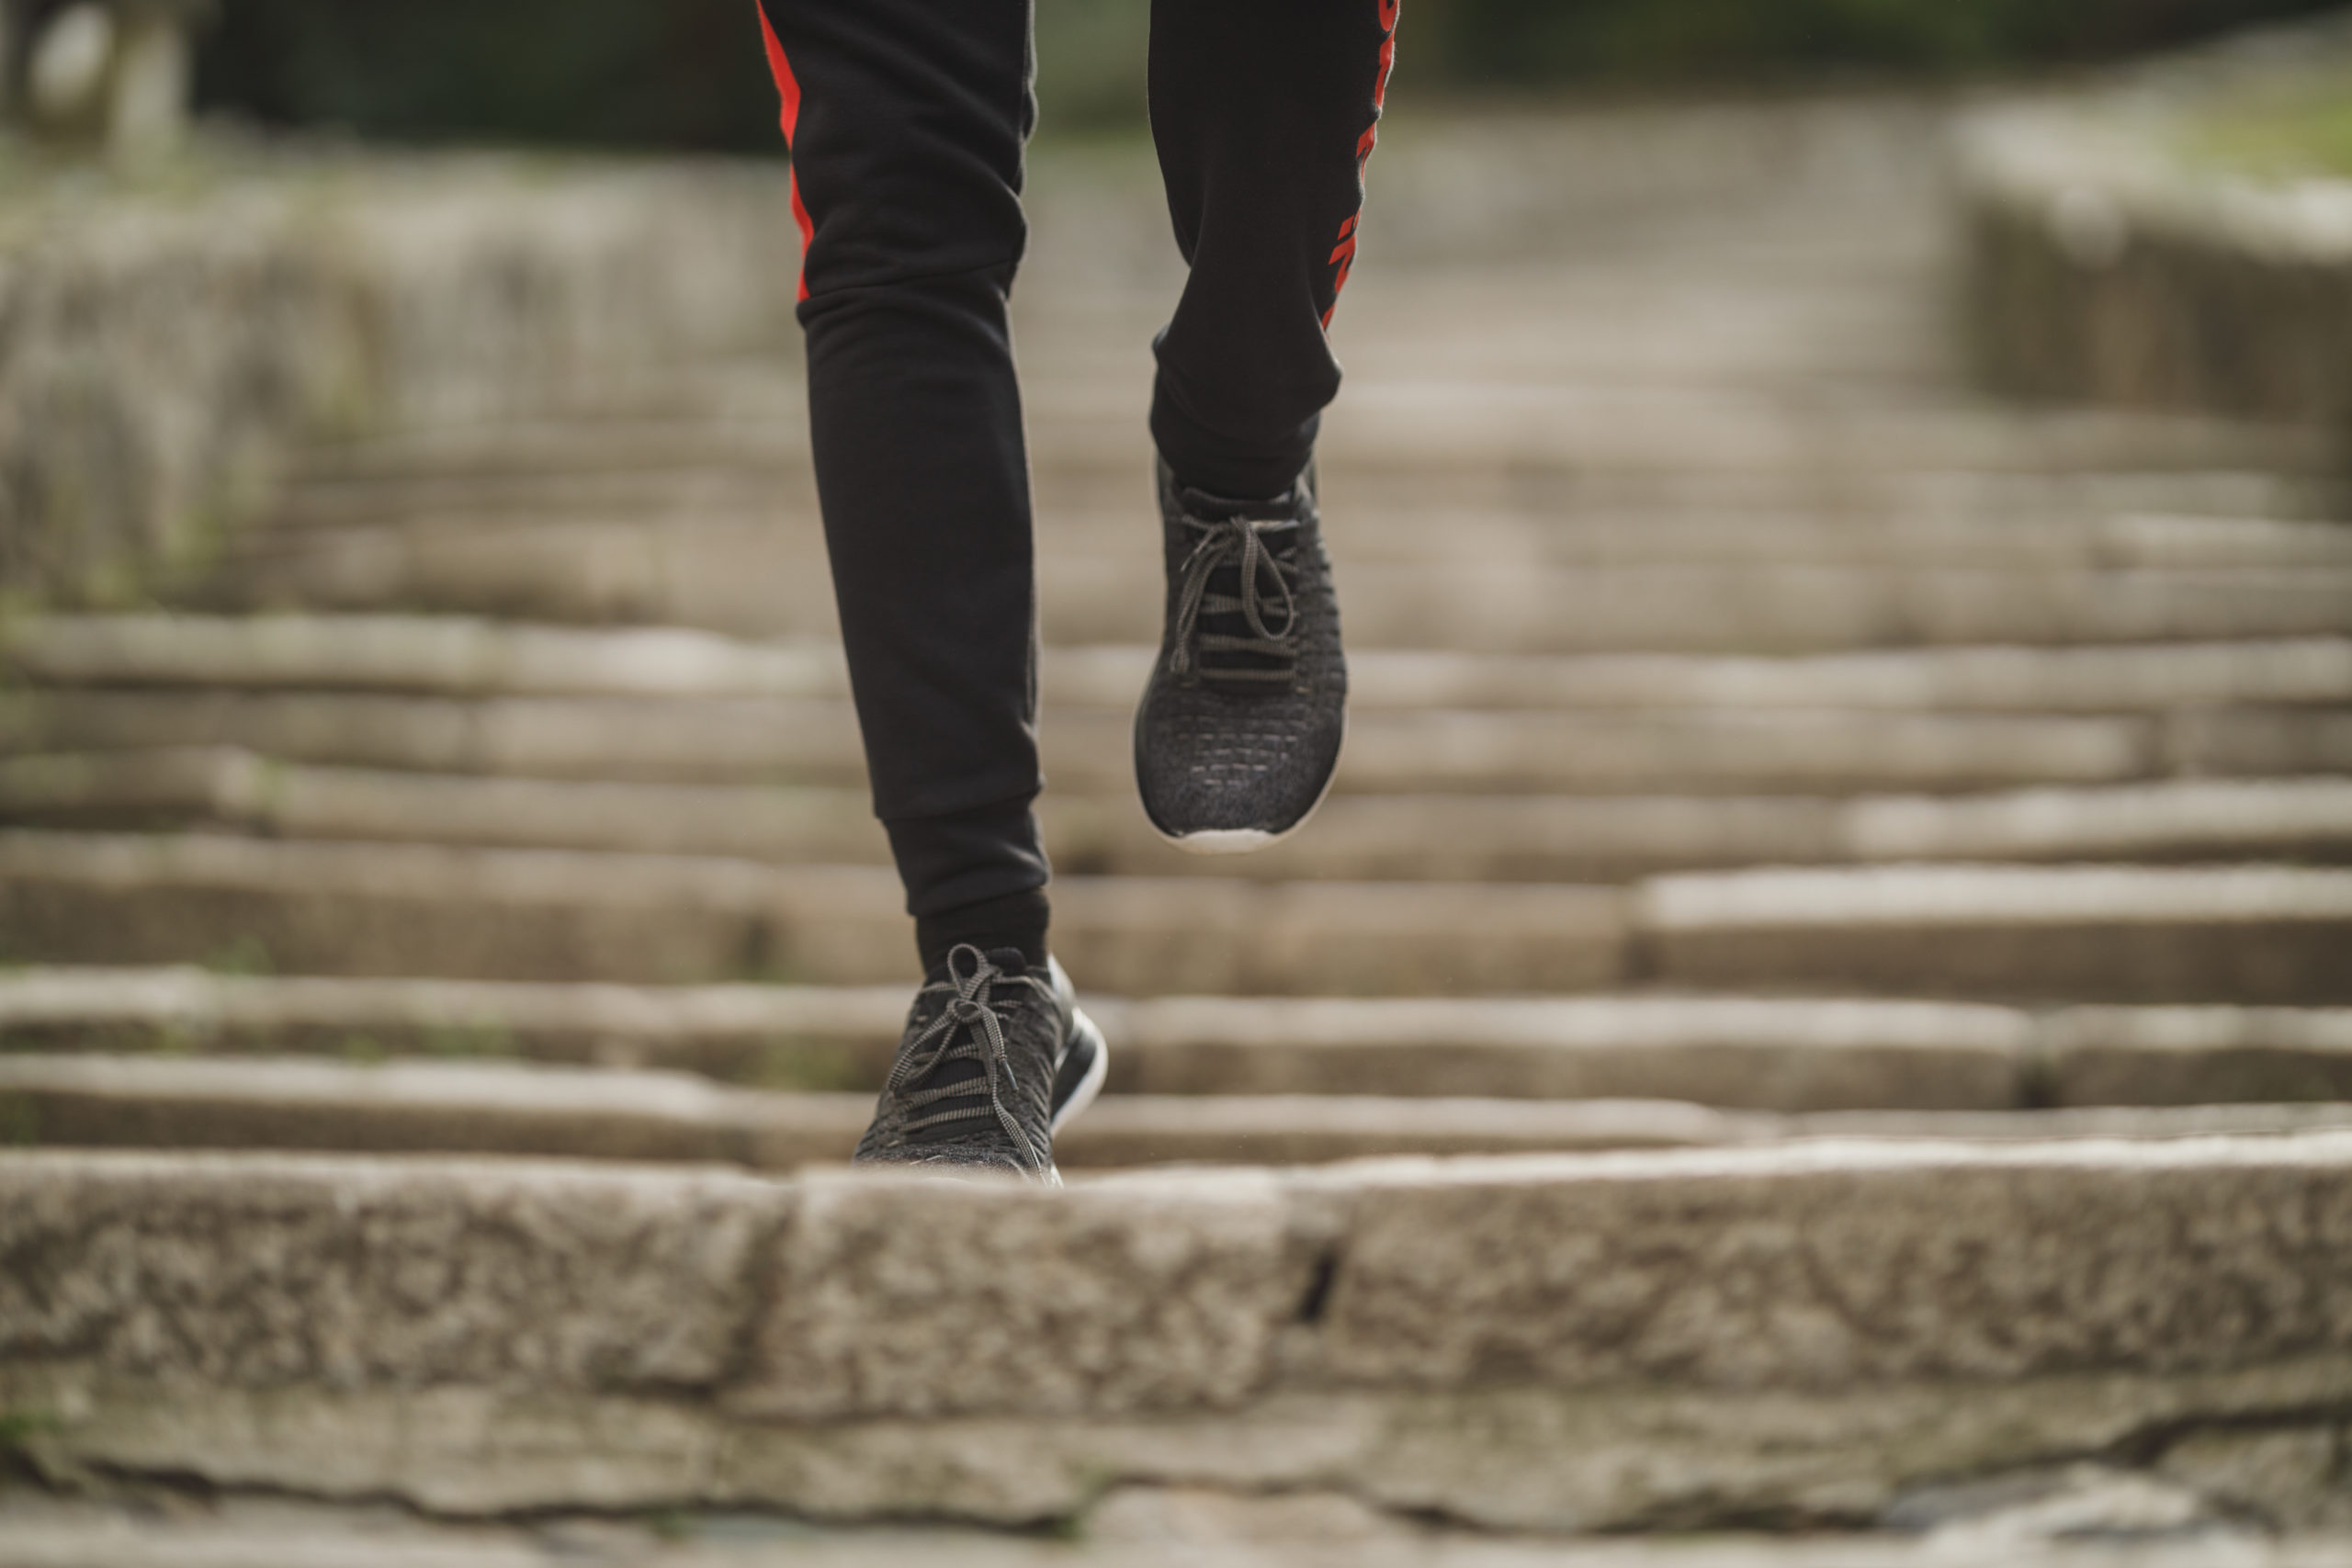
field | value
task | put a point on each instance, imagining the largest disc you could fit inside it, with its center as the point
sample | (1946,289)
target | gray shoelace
(1239,541)
(971,1010)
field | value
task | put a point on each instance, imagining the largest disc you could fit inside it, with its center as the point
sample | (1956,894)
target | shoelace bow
(1239,541)
(970,1009)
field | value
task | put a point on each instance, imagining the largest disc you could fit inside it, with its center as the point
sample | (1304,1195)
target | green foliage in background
(689,73)
(2298,131)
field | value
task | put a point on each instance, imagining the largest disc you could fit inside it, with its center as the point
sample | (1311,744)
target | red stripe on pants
(788,87)
(1344,257)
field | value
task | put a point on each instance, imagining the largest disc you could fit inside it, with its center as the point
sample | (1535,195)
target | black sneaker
(1240,727)
(996,1059)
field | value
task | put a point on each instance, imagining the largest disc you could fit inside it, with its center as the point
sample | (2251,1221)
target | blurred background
(1837,499)
(616,74)
(1842,512)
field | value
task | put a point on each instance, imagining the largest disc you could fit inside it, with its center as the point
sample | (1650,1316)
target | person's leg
(1264,114)
(907,120)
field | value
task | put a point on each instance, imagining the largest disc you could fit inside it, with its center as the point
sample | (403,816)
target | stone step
(461,656)
(1785,1054)
(758,575)
(1472,414)
(1484,601)
(2228,933)
(540,914)
(599,555)
(2247,933)
(762,741)
(1473,602)
(1186,1526)
(85,1101)
(1485,838)
(1988,499)
(1815,1329)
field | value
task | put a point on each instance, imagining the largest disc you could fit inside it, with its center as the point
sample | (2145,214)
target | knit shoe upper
(995,1057)
(1241,726)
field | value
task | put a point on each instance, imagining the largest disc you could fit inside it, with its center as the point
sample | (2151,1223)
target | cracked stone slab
(260,1271)
(927,1296)
(1841,1264)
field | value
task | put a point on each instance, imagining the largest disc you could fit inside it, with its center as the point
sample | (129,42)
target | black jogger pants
(907,120)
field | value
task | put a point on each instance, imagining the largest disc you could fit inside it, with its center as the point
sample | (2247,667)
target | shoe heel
(1084,1067)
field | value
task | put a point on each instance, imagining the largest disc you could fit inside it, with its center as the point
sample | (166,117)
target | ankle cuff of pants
(946,863)
(1016,920)
(1218,464)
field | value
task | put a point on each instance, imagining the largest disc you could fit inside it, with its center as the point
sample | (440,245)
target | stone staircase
(1884,859)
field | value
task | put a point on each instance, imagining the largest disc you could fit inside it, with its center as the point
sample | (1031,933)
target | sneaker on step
(1240,727)
(996,1059)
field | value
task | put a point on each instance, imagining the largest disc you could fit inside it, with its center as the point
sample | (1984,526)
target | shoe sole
(1249,840)
(1084,1037)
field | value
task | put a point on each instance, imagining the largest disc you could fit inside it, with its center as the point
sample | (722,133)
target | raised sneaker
(995,1059)
(1240,727)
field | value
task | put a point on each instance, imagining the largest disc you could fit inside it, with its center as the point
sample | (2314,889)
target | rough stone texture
(1509,1461)
(2290,1476)
(2039,1261)
(169,349)
(261,1272)
(1134,1527)
(1554,1344)
(2082,1501)
(927,1297)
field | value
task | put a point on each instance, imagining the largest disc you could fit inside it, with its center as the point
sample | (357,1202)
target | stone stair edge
(468,654)
(1781,1054)
(413,1106)
(788,1298)
(2255,932)
(1530,837)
